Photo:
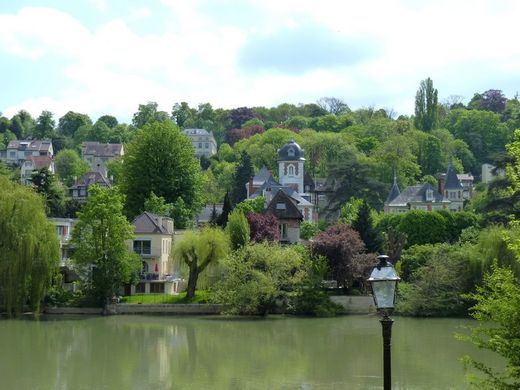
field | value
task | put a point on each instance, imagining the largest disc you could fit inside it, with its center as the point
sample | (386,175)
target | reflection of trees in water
(138,352)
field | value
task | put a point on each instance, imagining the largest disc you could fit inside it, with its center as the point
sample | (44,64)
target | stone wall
(355,304)
(128,308)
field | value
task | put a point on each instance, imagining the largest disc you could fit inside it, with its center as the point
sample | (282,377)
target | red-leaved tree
(235,135)
(340,245)
(264,227)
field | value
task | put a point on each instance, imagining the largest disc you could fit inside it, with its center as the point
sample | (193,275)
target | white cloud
(194,56)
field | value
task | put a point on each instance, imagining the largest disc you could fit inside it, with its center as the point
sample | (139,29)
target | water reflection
(138,352)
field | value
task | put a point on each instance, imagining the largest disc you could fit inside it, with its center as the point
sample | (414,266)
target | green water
(145,352)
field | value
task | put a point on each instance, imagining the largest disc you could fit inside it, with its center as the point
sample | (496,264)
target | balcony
(150,276)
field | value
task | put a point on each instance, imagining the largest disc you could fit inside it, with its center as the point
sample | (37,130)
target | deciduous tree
(426,109)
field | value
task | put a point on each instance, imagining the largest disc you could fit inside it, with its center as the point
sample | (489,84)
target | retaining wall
(195,308)
(355,304)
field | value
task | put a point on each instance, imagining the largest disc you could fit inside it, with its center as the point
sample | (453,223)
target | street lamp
(383,280)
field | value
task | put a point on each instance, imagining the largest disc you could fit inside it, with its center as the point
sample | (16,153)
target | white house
(203,142)
(35,163)
(20,150)
(97,155)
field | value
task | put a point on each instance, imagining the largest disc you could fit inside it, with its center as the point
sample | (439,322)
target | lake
(153,352)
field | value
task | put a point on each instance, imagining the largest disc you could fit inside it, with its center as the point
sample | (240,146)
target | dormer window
(290,152)
(429,194)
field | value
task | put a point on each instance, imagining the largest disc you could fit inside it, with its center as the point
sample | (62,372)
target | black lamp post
(383,280)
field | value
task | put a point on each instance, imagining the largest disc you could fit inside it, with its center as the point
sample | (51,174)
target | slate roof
(148,223)
(394,192)
(90,178)
(417,194)
(262,176)
(204,215)
(196,132)
(274,187)
(452,181)
(101,150)
(291,151)
(35,145)
(283,207)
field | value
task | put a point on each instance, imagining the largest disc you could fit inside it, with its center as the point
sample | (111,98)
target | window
(12,154)
(281,206)
(140,288)
(429,195)
(290,170)
(143,247)
(290,152)
(157,288)
(200,145)
(145,266)
(206,145)
(283,231)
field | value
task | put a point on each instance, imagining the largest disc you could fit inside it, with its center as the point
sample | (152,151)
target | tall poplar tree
(426,106)
(29,248)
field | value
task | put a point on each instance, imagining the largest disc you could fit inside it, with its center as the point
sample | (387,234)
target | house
(418,197)
(203,142)
(20,150)
(79,190)
(35,163)
(97,155)
(291,162)
(453,190)
(465,179)
(289,217)
(489,172)
(206,214)
(64,227)
(153,243)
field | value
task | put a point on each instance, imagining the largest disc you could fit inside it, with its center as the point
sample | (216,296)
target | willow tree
(198,250)
(29,248)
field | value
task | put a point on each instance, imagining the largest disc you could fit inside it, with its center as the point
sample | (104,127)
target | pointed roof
(262,176)
(452,181)
(90,178)
(283,207)
(394,192)
(418,194)
(152,223)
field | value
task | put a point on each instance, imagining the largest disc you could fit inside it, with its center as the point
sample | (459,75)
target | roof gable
(283,207)
(452,181)
(149,223)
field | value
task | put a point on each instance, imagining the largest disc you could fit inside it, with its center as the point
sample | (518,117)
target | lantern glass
(384,280)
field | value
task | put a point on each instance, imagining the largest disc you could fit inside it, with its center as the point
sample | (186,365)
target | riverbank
(350,304)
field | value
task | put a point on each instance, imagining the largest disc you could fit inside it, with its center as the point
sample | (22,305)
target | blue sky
(108,56)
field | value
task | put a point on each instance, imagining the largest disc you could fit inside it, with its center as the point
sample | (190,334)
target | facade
(418,197)
(489,172)
(64,227)
(17,152)
(35,163)
(288,215)
(453,190)
(153,243)
(203,142)
(79,190)
(97,155)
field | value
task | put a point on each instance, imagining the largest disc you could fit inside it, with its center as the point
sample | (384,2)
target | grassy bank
(201,296)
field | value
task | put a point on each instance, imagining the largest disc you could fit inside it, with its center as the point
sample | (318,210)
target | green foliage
(53,192)
(423,227)
(198,250)
(244,170)
(69,166)
(437,287)
(238,229)
(364,225)
(102,254)
(44,128)
(349,211)
(29,248)
(497,309)
(426,106)
(255,205)
(308,230)
(160,159)
(157,205)
(257,276)
(72,121)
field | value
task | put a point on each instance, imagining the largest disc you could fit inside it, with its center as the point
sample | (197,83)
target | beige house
(97,155)
(35,163)
(153,243)
(203,142)
(18,151)
(64,227)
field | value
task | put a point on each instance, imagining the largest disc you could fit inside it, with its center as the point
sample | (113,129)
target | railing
(149,276)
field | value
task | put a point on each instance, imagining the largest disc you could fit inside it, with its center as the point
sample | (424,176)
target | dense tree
(99,132)
(238,116)
(100,239)
(238,229)
(29,254)
(426,106)
(157,205)
(235,135)
(198,250)
(257,276)
(423,227)
(333,105)
(182,113)
(264,227)
(69,166)
(109,120)
(160,159)
(498,309)
(243,172)
(44,128)
(72,121)
(339,244)
(364,225)
(148,113)
(226,209)
(491,100)
(53,192)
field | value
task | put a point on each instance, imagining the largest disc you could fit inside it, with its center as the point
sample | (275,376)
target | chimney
(250,189)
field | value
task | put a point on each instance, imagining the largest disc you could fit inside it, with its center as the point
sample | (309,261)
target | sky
(108,56)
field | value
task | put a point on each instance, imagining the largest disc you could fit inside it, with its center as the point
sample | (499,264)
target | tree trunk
(192,280)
